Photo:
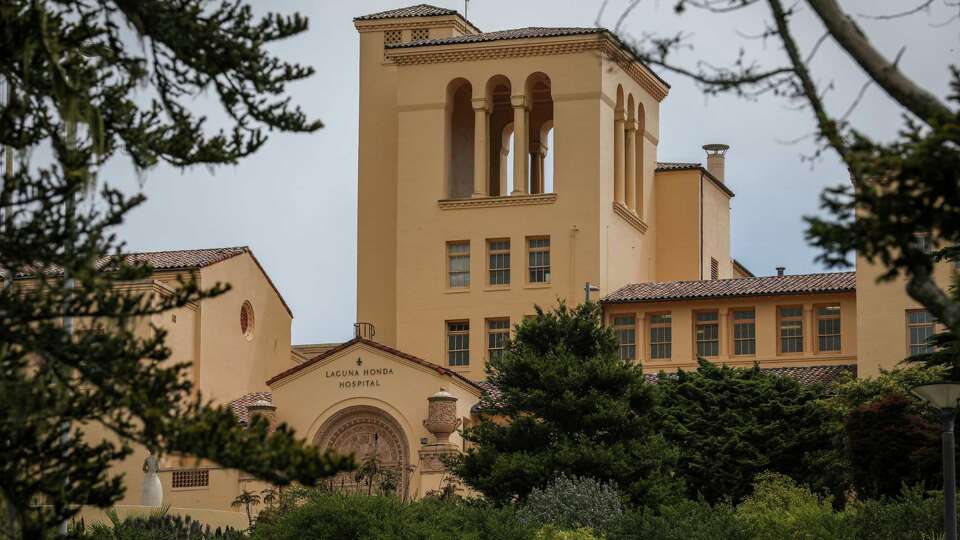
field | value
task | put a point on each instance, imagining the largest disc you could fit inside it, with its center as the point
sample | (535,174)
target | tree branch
(904,91)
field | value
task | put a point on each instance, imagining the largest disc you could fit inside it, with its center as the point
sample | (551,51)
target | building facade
(498,171)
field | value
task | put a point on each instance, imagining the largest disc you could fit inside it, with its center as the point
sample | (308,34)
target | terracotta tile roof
(419,10)
(183,259)
(516,33)
(390,350)
(737,287)
(676,166)
(240,405)
(490,400)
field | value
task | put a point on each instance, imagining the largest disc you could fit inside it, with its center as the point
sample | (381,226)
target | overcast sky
(294,203)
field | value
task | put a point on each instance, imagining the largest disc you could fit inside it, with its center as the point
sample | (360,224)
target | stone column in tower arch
(630,164)
(442,416)
(521,155)
(481,151)
(619,178)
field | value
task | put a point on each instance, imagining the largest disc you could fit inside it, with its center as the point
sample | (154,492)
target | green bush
(570,502)
(779,508)
(552,533)
(914,515)
(155,527)
(323,516)
(686,520)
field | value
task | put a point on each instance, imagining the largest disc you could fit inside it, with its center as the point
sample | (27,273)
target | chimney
(715,159)
(781,270)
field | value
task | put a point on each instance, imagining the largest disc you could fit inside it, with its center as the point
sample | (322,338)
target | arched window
(619,137)
(500,134)
(460,119)
(540,98)
(641,129)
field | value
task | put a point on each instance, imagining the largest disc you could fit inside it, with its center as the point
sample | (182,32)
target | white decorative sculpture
(442,416)
(152,493)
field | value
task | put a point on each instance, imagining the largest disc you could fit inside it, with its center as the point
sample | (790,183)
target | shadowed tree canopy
(568,405)
(83,82)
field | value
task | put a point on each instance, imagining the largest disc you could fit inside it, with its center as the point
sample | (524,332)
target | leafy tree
(891,446)
(731,424)
(248,501)
(898,188)
(568,405)
(87,81)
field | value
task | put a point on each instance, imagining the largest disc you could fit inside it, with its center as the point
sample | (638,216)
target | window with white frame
(919,331)
(744,332)
(661,336)
(458,264)
(791,329)
(828,328)
(498,261)
(707,333)
(538,259)
(498,333)
(625,328)
(458,343)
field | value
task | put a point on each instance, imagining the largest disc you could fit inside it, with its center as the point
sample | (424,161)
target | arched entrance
(379,447)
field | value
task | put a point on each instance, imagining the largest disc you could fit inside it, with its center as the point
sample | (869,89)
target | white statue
(152,494)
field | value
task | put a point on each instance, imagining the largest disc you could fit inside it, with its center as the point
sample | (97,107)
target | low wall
(213,518)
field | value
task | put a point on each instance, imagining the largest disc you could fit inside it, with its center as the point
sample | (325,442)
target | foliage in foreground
(778,508)
(159,526)
(87,82)
(571,406)
(729,424)
(574,503)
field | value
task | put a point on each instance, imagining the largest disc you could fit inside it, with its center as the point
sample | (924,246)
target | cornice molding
(490,202)
(631,218)
(494,50)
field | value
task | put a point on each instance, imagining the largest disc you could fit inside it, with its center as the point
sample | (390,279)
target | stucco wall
(677,225)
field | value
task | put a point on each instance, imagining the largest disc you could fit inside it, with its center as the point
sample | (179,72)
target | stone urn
(442,416)
(152,492)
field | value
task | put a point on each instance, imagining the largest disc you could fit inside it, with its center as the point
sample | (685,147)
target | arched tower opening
(460,134)
(498,92)
(539,95)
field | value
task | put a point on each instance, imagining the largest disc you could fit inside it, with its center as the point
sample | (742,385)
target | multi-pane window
(498,256)
(458,343)
(661,336)
(538,260)
(625,328)
(828,328)
(498,333)
(744,332)
(707,333)
(919,331)
(714,268)
(791,329)
(458,264)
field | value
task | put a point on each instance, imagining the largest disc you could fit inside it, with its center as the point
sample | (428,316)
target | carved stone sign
(359,376)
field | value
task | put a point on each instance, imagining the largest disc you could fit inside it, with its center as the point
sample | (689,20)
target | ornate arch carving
(363,431)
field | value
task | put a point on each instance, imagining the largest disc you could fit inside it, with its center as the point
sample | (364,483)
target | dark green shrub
(914,515)
(686,520)
(779,509)
(155,527)
(570,502)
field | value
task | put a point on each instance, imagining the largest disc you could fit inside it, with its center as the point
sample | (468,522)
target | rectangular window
(791,329)
(458,343)
(714,269)
(828,328)
(744,332)
(625,328)
(919,331)
(708,334)
(498,258)
(498,333)
(661,336)
(458,264)
(538,262)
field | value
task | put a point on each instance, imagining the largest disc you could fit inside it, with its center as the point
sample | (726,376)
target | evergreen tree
(730,424)
(86,81)
(567,405)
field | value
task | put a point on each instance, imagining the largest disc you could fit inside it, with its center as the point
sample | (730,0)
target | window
(828,328)
(419,34)
(538,262)
(714,269)
(791,329)
(919,331)
(923,242)
(625,328)
(498,332)
(744,332)
(246,320)
(498,257)
(661,336)
(458,264)
(708,334)
(392,36)
(191,478)
(458,343)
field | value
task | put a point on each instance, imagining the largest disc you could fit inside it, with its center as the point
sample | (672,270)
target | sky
(294,202)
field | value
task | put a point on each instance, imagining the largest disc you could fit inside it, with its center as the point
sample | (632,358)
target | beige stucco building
(498,171)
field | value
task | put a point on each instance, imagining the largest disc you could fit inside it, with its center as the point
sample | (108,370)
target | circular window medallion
(246,320)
